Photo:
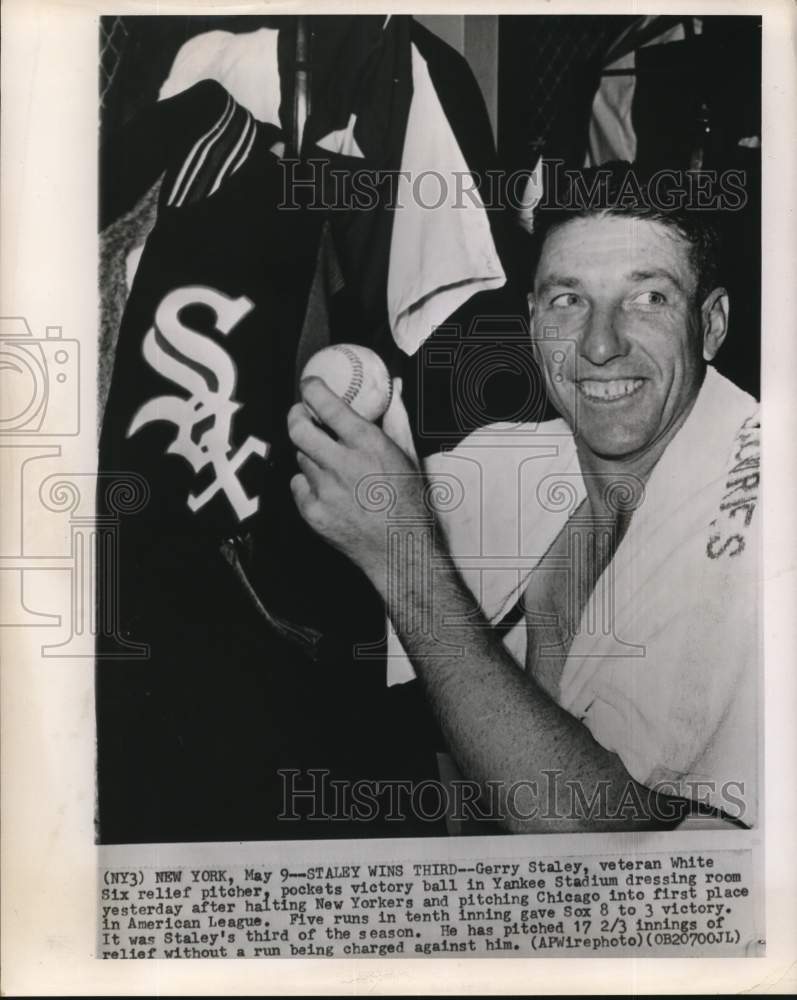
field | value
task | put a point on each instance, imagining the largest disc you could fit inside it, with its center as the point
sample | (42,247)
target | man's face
(618,331)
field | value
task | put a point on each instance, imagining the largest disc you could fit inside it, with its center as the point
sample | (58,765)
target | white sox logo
(204,420)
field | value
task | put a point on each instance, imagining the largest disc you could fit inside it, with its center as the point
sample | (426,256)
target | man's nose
(603,339)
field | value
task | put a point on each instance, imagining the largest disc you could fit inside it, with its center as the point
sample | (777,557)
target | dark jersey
(250,620)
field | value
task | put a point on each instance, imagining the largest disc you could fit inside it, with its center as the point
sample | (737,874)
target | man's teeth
(615,389)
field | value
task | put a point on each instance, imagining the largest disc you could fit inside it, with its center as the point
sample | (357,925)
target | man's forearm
(502,728)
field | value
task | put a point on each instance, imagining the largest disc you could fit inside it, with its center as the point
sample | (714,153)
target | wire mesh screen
(542,61)
(113,38)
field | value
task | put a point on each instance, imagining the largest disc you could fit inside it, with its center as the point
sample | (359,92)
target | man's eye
(565,300)
(651,298)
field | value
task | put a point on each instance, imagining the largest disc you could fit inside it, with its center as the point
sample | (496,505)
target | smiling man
(628,294)
(583,613)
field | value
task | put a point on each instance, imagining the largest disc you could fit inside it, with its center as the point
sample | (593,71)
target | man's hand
(347,487)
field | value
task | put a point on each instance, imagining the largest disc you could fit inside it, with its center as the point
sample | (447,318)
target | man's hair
(619,189)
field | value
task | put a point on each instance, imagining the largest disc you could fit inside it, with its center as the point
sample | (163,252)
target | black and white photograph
(395,330)
(396,545)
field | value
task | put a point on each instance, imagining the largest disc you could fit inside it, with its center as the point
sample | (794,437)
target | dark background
(548,71)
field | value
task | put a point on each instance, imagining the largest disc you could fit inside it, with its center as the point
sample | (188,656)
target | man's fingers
(396,423)
(310,439)
(311,472)
(301,490)
(331,409)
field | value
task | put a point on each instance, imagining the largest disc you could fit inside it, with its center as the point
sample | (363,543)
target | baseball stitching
(357,373)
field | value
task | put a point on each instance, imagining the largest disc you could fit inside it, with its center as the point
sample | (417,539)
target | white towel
(443,254)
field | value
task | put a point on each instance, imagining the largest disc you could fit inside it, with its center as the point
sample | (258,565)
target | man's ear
(714,318)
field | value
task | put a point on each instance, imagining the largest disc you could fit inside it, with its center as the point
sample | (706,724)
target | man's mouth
(610,390)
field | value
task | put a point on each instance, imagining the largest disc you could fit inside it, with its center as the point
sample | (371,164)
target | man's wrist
(404,569)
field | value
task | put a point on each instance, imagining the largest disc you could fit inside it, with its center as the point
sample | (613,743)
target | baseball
(356,374)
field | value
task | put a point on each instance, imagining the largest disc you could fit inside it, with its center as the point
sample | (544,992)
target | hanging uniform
(245,612)
(266,649)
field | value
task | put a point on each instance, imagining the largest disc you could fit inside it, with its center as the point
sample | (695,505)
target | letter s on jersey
(210,401)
